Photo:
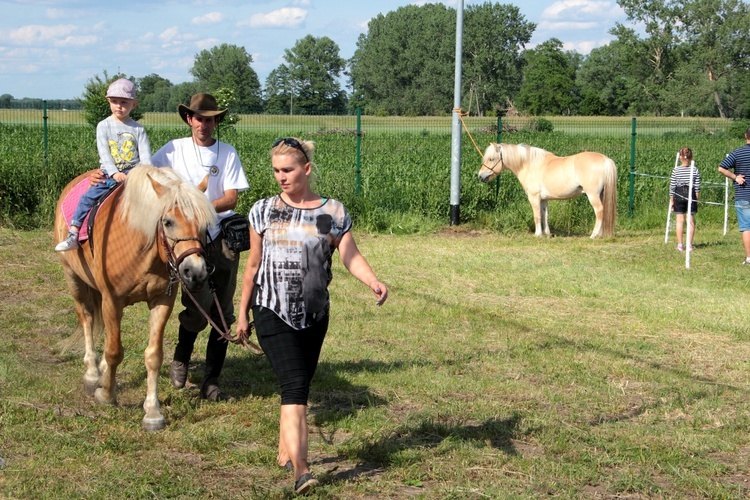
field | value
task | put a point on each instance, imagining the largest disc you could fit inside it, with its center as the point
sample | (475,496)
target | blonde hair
(304,152)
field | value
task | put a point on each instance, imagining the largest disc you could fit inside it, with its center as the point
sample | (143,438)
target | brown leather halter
(173,266)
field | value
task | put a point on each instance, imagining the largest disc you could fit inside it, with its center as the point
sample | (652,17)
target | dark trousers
(293,354)
(192,322)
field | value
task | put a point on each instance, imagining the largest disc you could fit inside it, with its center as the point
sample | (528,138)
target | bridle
(173,267)
(499,150)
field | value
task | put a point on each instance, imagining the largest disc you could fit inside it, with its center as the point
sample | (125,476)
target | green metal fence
(378,165)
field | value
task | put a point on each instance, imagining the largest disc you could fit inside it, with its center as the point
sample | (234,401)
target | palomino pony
(545,176)
(132,256)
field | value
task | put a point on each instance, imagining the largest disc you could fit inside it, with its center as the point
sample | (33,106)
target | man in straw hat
(214,167)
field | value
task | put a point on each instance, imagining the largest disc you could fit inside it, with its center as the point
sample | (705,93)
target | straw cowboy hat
(201,104)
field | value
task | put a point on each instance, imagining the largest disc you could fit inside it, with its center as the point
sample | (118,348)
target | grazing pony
(148,236)
(545,176)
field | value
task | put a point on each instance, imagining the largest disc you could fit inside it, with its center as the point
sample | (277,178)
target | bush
(94,100)
(542,125)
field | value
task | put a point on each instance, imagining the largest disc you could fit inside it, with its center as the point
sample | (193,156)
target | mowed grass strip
(501,366)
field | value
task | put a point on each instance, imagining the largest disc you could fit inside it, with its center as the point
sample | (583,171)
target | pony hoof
(89,388)
(153,424)
(99,397)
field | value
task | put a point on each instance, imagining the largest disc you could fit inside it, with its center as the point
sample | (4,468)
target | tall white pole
(689,218)
(455,215)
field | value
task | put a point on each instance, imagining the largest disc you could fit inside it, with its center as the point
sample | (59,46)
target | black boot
(216,353)
(178,370)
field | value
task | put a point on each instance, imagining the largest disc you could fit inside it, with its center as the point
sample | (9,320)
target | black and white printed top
(295,268)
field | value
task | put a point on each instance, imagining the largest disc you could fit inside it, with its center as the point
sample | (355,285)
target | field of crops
(405,165)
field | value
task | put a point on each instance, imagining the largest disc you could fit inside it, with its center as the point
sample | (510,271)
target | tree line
(692,60)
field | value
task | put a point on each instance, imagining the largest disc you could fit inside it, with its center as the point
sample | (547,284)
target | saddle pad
(69,205)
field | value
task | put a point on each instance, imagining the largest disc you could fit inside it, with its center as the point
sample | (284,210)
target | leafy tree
(154,93)
(94,100)
(494,36)
(229,66)
(403,65)
(309,81)
(181,94)
(603,81)
(712,34)
(548,86)
(5,101)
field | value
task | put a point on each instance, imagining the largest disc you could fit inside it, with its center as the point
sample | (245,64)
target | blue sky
(51,49)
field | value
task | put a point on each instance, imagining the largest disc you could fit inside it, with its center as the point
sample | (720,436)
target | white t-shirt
(193,163)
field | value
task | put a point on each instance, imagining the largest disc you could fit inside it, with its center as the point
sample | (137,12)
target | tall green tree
(228,66)
(403,65)
(548,86)
(713,35)
(494,36)
(309,82)
(154,93)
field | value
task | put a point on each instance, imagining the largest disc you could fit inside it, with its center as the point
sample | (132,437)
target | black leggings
(293,354)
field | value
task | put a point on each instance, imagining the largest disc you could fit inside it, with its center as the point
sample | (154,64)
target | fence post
(358,161)
(499,140)
(45,134)
(631,190)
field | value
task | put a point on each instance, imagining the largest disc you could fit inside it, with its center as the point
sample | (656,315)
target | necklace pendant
(214,170)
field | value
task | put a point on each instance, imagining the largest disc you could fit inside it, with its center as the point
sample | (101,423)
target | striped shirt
(739,161)
(681,177)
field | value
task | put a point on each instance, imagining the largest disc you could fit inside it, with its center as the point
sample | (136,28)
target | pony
(545,176)
(149,235)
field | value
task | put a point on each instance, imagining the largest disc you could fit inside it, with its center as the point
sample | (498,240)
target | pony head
(492,162)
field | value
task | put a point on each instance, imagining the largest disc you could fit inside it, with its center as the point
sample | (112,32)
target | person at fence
(293,236)
(736,166)
(679,195)
(214,167)
(122,144)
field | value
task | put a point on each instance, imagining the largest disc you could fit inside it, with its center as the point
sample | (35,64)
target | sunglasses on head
(292,142)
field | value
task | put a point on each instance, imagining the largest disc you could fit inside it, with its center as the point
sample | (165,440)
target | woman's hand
(380,290)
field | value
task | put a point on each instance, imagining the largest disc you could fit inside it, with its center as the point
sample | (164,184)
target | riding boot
(178,370)
(216,353)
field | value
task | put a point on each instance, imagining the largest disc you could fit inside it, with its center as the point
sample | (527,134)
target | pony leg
(113,354)
(596,204)
(545,218)
(87,301)
(535,207)
(153,357)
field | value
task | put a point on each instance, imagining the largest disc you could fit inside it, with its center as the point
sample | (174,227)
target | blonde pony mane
(142,208)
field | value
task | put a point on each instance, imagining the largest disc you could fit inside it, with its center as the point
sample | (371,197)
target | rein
(173,264)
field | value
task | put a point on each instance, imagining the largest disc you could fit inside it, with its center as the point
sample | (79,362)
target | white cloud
(207,43)
(582,10)
(77,41)
(35,34)
(210,18)
(584,47)
(288,17)
(567,25)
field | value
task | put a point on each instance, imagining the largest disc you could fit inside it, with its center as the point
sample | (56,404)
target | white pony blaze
(545,176)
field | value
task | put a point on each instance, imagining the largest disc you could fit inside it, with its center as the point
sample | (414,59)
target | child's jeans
(89,198)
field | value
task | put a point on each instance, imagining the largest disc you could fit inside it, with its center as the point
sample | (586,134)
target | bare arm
(739,178)
(226,202)
(248,282)
(357,265)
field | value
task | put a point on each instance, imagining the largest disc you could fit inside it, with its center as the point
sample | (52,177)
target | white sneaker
(746,261)
(69,243)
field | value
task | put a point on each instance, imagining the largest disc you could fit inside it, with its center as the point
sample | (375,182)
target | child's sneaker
(69,243)
(690,248)
(681,247)
(746,261)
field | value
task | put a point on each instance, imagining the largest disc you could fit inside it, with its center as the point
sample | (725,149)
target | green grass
(502,366)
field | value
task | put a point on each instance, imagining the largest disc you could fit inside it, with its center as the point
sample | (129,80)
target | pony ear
(499,150)
(157,187)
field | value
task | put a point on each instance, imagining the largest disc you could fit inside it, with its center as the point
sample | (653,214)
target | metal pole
(669,204)
(499,140)
(46,134)
(455,215)
(689,218)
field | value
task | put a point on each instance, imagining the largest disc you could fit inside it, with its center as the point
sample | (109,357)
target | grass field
(501,367)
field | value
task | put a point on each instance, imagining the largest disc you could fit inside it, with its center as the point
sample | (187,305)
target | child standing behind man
(122,144)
